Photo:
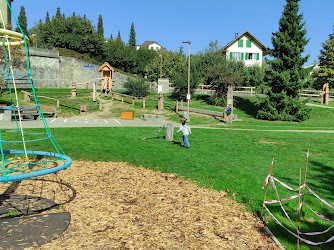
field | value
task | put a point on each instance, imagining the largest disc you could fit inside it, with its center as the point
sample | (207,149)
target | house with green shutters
(246,48)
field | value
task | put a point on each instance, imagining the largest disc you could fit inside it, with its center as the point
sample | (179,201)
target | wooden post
(325,95)
(94,92)
(106,90)
(177,106)
(133,101)
(265,194)
(74,90)
(83,109)
(169,132)
(161,102)
(58,104)
(122,99)
(230,103)
(143,103)
(26,97)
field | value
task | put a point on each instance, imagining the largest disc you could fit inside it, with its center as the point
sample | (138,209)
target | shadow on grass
(244,104)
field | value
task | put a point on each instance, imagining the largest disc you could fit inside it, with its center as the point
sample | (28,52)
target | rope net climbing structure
(294,227)
(24,153)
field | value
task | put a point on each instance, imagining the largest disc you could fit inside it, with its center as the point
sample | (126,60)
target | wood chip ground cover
(115,205)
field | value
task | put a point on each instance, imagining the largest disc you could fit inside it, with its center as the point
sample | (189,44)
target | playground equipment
(300,195)
(106,75)
(17,162)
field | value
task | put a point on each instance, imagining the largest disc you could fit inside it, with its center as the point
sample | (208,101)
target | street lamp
(188,96)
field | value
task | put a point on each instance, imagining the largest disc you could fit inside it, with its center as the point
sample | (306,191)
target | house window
(240,43)
(237,55)
(157,48)
(248,44)
(252,56)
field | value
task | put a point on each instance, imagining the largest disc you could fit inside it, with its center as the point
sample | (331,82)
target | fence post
(143,102)
(26,97)
(161,102)
(74,90)
(94,92)
(177,106)
(169,132)
(58,104)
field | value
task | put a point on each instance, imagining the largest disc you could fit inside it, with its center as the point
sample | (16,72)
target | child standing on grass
(186,131)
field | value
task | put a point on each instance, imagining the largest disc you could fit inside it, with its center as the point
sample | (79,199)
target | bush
(137,87)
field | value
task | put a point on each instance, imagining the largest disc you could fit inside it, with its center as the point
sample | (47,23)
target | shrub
(137,87)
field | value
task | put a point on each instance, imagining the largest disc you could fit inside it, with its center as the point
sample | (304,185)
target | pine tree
(286,72)
(119,39)
(132,39)
(325,74)
(47,18)
(58,14)
(22,19)
(100,30)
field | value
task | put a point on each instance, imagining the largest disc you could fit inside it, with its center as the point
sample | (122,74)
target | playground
(121,191)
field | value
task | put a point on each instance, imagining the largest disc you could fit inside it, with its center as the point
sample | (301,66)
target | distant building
(247,48)
(5,11)
(151,45)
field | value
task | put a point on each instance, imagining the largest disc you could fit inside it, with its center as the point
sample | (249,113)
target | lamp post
(188,96)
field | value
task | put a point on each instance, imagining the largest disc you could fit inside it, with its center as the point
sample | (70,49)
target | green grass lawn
(235,161)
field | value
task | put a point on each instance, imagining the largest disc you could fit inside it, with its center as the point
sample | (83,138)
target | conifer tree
(58,14)
(132,39)
(22,19)
(286,72)
(119,39)
(47,18)
(325,74)
(100,30)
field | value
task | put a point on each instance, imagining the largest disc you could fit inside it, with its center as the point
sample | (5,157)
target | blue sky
(169,22)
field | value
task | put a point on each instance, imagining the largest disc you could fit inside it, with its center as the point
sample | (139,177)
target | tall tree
(22,19)
(47,18)
(285,75)
(58,14)
(325,74)
(100,30)
(132,39)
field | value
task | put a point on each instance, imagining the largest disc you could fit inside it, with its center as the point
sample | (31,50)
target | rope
(155,131)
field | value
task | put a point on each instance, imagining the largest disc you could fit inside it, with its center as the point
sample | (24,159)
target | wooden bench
(83,106)
(27,113)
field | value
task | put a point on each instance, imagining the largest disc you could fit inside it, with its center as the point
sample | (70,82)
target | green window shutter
(258,56)
(240,43)
(242,56)
(249,44)
(246,57)
(231,55)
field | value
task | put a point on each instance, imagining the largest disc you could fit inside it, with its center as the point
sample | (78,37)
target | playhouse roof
(106,67)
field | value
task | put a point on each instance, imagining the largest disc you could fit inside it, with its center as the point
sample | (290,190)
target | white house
(150,45)
(247,48)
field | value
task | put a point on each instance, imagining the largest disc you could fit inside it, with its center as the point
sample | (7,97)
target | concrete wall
(49,70)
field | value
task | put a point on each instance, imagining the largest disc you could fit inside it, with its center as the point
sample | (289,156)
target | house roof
(264,48)
(148,43)
(106,66)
